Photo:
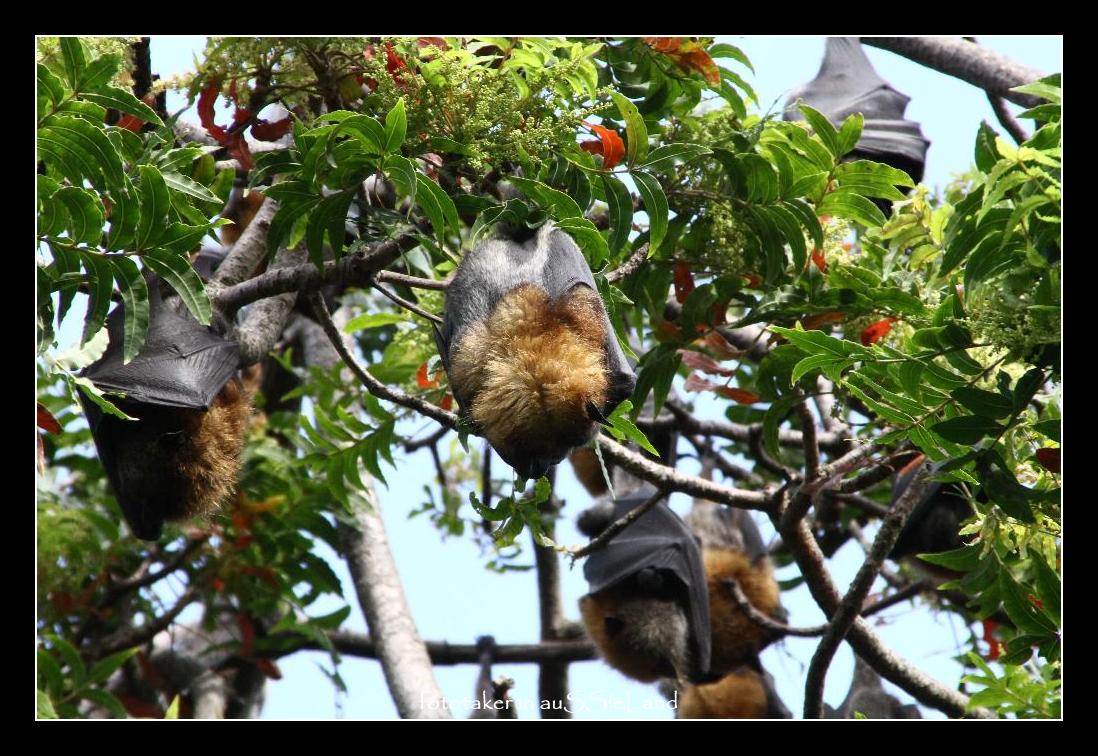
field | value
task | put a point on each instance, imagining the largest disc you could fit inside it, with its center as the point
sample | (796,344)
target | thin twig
(630,266)
(767,623)
(617,526)
(429,440)
(137,636)
(410,306)
(373,385)
(388,276)
(909,591)
(668,479)
(811,446)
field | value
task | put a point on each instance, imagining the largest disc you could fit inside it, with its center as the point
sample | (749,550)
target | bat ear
(594,413)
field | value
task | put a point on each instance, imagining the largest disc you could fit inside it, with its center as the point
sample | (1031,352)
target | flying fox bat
(935,522)
(531,355)
(181,456)
(648,609)
(868,698)
(848,84)
(744,693)
(733,550)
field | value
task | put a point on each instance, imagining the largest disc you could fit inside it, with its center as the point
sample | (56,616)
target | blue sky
(453,597)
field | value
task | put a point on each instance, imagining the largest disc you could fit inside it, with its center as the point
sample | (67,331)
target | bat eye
(613,626)
(171,440)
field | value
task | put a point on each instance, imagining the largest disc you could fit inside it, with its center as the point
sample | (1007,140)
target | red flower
(874,332)
(818,258)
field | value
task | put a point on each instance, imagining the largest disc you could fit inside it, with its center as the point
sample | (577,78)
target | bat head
(536,372)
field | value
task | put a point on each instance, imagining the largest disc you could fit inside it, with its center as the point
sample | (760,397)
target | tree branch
(992,72)
(264,322)
(1006,120)
(446,654)
(851,604)
(616,527)
(630,266)
(404,658)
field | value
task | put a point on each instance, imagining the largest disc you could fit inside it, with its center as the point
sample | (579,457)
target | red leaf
(1035,601)
(247,634)
(695,382)
(594,146)
(232,91)
(754,280)
(664,44)
(699,361)
(271,132)
(668,331)
(719,346)
(742,396)
(130,123)
(268,668)
(241,521)
(438,42)
(994,646)
(46,421)
(1049,459)
(238,149)
(447,402)
(218,585)
(684,282)
(423,380)
(873,333)
(818,258)
(719,313)
(206,101)
(813,322)
(613,148)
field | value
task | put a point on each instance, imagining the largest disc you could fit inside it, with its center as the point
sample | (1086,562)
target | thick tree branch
(444,654)
(262,327)
(352,270)
(248,251)
(404,658)
(888,664)
(1006,119)
(553,676)
(992,72)
(851,604)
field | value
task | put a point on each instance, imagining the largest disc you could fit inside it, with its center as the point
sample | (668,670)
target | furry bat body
(531,355)
(182,455)
(744,693)
(647,610)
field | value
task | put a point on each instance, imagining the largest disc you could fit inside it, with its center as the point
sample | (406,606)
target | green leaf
(823,128)
(173,709)
(964,559)
(772,421)
(967,430)
(850,133)
(636,149)
(105,700)
(72,55)
(845,204)
(587,237)
(1025,616)
(44,706)
(666,156)
(121,100)
(182,277)
(439,207)
(100,71)
(762,181)
(620,205)
(655,204)
(1049,429)
(49,671)
(71,657)
(982,402)
(373,320)
(101,284)
(80,150)
(1026,387)
(622,428)
(396,127)
(723,50)
(403,173)
(106,667)
(190,187)
(155,204)
(125,217)
(329,217)
(85,214)
(135,298)
(829,364)
(49,85)
(558,203)
(808,219)
(1048,586)
(790,228)
(1048,88)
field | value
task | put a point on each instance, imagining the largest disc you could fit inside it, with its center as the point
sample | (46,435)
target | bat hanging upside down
(531,355)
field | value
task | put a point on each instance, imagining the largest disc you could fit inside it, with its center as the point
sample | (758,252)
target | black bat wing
(847,83)
(183,363)
(658,540)
(564,269)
